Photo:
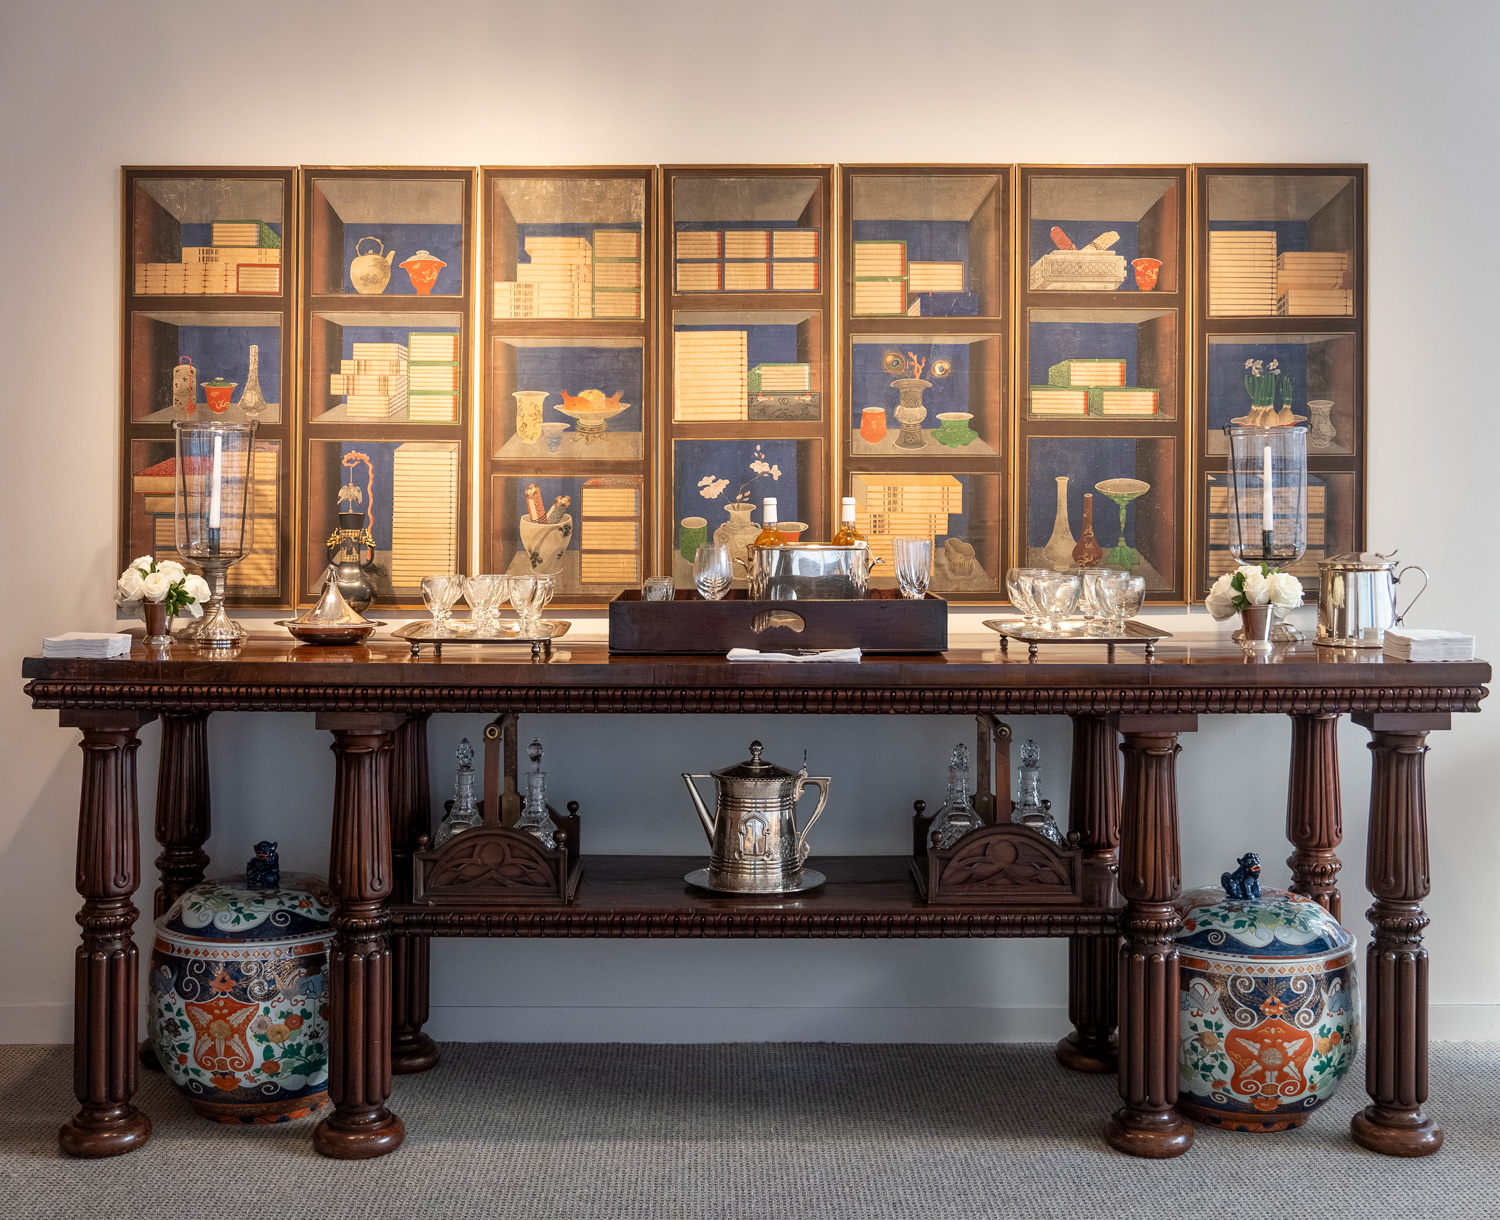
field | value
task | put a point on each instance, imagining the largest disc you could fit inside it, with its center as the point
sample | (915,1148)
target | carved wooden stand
(1150,877)
(359,963)
(183,818)
(411,956)
(1093,961)
(106,968)
(1397,873)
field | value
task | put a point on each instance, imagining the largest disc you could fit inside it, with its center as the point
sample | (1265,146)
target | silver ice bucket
(809,571)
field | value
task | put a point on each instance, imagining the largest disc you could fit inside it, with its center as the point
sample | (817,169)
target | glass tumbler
(484,595)
(1057,595)
(713,570)
(658,589)
(1123,594)
(440,592)
(913,565)
(529,596)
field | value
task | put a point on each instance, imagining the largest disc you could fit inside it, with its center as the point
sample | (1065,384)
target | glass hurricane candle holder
(1267,494)
(213,530)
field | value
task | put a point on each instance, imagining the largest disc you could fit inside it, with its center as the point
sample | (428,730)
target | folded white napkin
(86,644)
(1427,644)
(824,654)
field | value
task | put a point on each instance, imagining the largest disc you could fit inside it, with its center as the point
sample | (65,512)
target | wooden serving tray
(690,625)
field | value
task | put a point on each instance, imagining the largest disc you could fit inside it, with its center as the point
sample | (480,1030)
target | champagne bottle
(769,535)
(847,535)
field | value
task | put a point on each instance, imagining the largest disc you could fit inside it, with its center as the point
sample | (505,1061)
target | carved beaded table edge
(377,707)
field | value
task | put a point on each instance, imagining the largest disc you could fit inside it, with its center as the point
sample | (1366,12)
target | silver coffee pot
(752,833)
(1357,598)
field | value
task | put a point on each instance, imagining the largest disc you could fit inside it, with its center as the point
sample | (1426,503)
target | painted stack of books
(244,259)
(1313,282)
(1091,387)
(617,273)
(610,532)
(890,505)
(711,376)
(432,377)
(561,275)
(747,260)
(372,381)
(1242,273)
(1219,557)
(880,275)
(424,512)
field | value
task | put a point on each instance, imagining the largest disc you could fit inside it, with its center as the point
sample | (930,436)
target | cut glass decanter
(534,817)
(957,816)
(1031,810)
(463,812)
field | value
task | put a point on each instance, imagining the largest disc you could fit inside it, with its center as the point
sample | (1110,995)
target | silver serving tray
(807,879)
(1077,632)
(464,631)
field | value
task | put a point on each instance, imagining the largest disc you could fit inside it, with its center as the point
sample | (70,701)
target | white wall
(86,87)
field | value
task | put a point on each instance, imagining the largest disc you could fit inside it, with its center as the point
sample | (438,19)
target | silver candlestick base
(215,629)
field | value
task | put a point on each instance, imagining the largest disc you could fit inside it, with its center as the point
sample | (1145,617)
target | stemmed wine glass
(1023,595)
(440,592)
(484,595)
(529,596)
(713,570)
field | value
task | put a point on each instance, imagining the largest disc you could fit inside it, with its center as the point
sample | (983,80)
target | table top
(1186,675)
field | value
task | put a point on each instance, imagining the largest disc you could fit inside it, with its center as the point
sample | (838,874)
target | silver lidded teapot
(755,845)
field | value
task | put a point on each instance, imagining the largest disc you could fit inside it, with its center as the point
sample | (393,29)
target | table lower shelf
(865,896)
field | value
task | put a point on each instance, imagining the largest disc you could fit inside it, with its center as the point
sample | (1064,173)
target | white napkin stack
(822,654)
(102,644)
(1427,644)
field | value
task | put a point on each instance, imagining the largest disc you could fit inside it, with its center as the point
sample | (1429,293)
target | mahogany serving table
(1122,960)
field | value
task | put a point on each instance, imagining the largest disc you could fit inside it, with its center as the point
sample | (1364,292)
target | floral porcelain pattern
(237,1009)
(1268,1009)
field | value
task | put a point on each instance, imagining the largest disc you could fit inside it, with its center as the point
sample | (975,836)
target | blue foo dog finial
(264,872)
(1244,882)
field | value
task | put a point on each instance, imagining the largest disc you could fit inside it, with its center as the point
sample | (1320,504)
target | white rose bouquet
(1253,585)
(168,581)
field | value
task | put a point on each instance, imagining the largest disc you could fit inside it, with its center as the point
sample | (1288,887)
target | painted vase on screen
(184,388)
(739,531)
(370,272)
(423,270)
(872,425)
(237,1010)
(1269,1008)
(529,414)
(1146,271)
(692,534)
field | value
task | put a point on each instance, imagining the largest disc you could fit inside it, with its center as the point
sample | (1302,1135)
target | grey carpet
(780,1132)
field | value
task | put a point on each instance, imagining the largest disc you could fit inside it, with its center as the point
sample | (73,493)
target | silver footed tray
(1077,632)
(464,631)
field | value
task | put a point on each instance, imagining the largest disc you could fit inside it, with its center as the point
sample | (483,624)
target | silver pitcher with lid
(755,845)
(1357,598)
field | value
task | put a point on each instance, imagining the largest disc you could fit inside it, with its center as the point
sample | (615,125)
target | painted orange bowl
(216,394)
(1268,1008)
(237,1009)
(791,531)
(1146,271)
(423,269)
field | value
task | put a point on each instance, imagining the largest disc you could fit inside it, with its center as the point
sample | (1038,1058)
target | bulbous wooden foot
(108,1131)
(417,1053)
(1395,1133)
(1156,1136)
(1092,1059)
(359,1141)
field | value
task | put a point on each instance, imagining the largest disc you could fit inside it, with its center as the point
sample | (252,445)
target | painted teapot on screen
(370,273)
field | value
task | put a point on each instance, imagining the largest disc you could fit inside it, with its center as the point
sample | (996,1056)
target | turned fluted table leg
(182,817)
(1397,874)
(411,956)
(1093,961)
(359,964)
(1314,809)
(105,986)
(1150,878)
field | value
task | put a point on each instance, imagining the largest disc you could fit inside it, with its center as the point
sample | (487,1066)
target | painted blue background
(1081,232)
(576,369)
(1053,342)
(1227,396)
(872,384)
(203,234)
(1290,234)
(930,241)
(765,344)
(224,351)
(693,460)
(444,241)
(1086,460)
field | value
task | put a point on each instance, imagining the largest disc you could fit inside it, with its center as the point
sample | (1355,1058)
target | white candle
(1266,488)
(213,495)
